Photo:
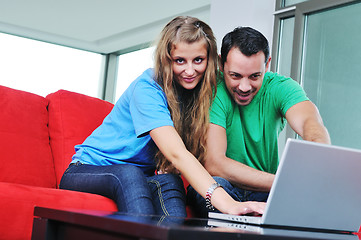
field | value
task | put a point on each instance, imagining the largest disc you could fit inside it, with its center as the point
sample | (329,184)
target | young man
(250,110)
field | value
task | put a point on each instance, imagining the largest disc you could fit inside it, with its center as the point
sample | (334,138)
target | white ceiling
(102,26)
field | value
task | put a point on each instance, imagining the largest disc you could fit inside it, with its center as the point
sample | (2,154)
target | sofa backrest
(72,118)
(25,154)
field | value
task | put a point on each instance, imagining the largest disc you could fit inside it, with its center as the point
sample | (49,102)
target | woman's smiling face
(189,62)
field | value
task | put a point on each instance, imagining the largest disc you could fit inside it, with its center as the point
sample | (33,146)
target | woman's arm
(173,148)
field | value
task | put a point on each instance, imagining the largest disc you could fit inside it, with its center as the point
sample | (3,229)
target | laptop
(316,187)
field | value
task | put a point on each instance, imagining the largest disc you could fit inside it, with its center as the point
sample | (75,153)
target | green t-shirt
(252,130)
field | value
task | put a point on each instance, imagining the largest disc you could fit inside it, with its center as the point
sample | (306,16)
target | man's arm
(217,164)
(306,121)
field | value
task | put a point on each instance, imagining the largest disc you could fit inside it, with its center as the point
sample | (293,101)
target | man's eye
(254,77)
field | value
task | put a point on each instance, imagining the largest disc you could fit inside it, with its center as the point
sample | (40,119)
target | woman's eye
(179,61)
(198,60)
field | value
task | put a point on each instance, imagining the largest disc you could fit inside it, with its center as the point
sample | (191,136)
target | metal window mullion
(109,77)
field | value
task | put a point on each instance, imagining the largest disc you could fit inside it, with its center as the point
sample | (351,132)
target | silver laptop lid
(316,186)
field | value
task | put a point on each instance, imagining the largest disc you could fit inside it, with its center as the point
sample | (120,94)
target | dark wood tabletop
(86,224)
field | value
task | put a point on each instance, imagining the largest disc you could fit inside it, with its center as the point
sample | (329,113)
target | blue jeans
(132,191)
(198,203)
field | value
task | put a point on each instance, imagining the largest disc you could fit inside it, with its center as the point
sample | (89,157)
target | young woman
(160,122)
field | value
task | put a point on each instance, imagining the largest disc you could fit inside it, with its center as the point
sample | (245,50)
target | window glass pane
(283,65)
(331,71)
(130,66)
(287,3)
(285,46)
(43,68)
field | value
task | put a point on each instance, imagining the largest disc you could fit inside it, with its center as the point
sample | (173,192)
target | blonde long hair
(189,108)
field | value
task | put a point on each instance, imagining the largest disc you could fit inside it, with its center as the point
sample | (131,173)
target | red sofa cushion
(24,139)
(18,202)
(72,118)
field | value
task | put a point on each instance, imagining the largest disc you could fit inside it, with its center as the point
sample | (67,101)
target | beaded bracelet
(209,195)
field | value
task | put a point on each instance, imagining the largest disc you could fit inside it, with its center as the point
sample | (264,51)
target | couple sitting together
(214,120)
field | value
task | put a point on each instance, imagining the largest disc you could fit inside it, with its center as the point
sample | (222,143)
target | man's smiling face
(244,75)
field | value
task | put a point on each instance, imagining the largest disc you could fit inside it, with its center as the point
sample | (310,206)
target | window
(285,46)
(130,66)
(43,68)
(331,70)
(283,66)
(324,59)
(287,3)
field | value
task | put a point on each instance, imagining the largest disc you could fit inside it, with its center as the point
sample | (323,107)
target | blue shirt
(123,137)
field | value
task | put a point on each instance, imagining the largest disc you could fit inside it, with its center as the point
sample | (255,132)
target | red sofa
(37,138)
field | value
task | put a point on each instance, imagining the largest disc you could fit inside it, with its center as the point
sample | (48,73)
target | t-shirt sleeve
(218,111)
(288,93)
(149,108)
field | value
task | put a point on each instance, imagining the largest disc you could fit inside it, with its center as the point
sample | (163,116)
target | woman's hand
(226,204)
(249,208)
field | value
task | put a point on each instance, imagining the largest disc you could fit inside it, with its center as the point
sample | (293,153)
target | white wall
(229,14)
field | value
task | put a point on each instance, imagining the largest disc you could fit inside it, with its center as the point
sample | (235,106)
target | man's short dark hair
(248,40)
